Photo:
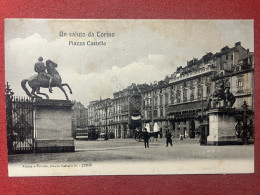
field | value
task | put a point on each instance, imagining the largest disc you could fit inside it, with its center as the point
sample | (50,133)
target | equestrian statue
(44,80)
(221,93)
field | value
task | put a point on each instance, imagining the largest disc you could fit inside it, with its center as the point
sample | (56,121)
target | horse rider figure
(222,92)
(219,93)
(40,68)
(230,98)
(168,138)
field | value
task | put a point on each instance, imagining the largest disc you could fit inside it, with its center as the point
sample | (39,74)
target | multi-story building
(154,104)
(179,102)
(79,116)
(100,114)
(121,115)
(127,110)
(91,112)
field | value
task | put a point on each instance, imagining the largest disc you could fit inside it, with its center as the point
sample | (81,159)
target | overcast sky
(142,51)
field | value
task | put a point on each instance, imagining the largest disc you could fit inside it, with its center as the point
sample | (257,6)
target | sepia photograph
(129,97)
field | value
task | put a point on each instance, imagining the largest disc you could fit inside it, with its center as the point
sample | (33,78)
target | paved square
(127,156)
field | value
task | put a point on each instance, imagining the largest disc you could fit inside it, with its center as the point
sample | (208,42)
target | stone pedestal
(52,126)
(222,123)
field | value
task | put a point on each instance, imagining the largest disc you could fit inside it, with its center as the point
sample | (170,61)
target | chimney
(237,44)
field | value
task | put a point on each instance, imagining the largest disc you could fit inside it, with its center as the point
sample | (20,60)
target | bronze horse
(36,82)
(221,93)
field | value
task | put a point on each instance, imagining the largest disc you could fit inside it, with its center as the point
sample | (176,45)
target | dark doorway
(124,129)
(192,128)
(119,131)
(204,134)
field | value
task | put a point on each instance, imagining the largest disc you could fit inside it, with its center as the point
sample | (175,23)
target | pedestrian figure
(156,135)
(146,138)
(136,133)
(168,138)
(160,132)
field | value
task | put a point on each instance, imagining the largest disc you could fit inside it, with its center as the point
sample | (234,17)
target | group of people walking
(147,138)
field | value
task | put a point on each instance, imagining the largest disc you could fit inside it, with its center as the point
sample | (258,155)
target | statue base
(222,123)
(52,126)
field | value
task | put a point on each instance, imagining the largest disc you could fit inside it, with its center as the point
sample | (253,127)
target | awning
(155,127)
(135,118)
(188,106)
(147,126)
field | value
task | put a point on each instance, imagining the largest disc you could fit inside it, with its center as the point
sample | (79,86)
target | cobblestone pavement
(130,150)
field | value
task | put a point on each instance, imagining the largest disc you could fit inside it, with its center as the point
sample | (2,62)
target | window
(208,89)
(231,57)
(192,94)
(221,66)
(172,97)
(184,95)
(155,114)
(240,85)
(145,114)
(161,112)
(178,96)
(155,101)
(191,83)
(166,99)
(226,57)
(224,65)
(208,79)
(150,114)
(199,92)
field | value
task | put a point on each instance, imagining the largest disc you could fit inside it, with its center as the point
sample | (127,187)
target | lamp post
(245,133)
(106,136)
(201,104)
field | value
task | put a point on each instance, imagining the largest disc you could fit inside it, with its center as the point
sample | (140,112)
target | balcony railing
(192,74)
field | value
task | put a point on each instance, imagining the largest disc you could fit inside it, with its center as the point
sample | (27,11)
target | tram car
(88,133)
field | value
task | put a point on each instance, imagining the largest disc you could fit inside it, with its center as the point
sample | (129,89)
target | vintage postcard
(129,97)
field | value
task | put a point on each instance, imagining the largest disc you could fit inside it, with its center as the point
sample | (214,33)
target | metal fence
(19,123)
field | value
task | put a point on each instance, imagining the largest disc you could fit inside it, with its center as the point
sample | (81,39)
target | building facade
(179,103)
(120,115)
(101,115)
(79,116)
(127,110)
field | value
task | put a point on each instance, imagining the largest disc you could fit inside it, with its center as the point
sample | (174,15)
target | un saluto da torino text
(98,34)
